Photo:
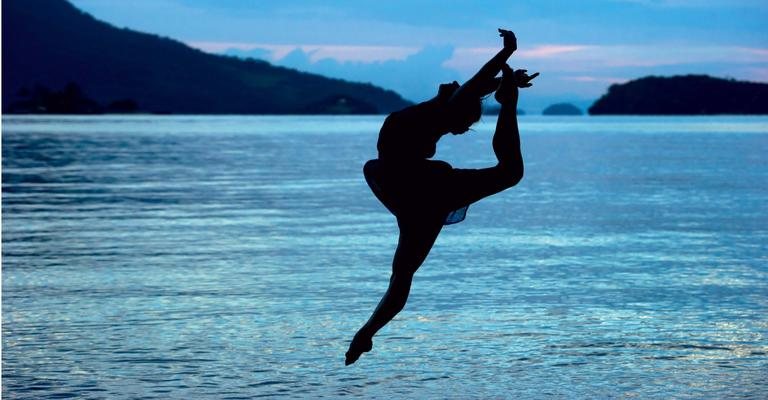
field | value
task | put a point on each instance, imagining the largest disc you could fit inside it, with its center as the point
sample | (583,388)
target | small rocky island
(562,109)
(683,95)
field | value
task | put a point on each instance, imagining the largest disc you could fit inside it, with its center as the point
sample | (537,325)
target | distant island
(58,59)
(562,109)
(683,95)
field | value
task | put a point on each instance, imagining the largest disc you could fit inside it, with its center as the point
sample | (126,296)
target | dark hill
(562,109)
(49,47)
(683,95)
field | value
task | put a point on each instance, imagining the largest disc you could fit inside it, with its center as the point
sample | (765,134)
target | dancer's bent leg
(471,185)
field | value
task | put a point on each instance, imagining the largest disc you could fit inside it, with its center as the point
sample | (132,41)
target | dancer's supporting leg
(416,239)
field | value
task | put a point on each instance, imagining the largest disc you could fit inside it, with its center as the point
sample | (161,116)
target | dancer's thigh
(470,185)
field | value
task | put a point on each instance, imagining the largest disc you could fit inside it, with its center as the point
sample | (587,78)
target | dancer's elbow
(512,175)
(517,176)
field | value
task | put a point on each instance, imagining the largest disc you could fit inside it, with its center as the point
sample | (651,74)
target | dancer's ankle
(365,333)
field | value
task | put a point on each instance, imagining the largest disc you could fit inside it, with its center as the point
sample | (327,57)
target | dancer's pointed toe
(357,348)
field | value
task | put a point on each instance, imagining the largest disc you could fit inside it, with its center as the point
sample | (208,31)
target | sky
(580,47)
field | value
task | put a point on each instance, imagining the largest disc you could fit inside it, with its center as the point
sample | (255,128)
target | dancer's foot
(358,346)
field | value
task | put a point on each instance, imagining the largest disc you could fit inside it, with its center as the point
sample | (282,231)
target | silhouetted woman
(426,194)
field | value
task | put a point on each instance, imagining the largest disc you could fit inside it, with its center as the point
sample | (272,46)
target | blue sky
(580,47)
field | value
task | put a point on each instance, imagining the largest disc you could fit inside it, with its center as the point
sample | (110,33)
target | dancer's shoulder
(418,115)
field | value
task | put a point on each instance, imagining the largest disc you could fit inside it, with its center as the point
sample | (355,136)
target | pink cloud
(470,58)
(590,79)
(580,61)
(366,54)
(760,53)
(594,79)
(543,51)
(550,50)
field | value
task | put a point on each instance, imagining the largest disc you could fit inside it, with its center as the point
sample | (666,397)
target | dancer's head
(460,116)
(461,108)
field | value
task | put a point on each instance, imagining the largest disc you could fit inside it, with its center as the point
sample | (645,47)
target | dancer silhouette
(426,194)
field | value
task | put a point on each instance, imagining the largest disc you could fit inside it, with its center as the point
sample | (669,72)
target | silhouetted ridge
(683,95)
(50,43)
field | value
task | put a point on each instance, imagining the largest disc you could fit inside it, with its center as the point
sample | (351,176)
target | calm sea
(234,257)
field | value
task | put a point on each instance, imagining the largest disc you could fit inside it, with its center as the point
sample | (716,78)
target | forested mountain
(683,95)
(57,58)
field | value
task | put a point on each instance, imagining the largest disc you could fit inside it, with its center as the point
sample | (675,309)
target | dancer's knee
(399,288)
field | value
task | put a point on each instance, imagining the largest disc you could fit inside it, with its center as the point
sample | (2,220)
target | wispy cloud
(341,53)
(664,55)
(358,53)
(413,72)
(218,47)
(596,79)
(588,57)
(469,56)
(578,70)
(760,53)
(550,51)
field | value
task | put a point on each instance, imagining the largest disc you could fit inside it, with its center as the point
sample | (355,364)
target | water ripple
(233,257)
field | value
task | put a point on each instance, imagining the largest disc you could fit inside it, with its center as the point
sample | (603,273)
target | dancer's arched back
(426,194)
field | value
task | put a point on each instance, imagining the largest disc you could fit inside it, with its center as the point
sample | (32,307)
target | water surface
(234,257)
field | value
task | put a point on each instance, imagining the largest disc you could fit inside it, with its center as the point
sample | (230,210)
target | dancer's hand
(511,81)
(522,78)
(510,41)
(507,93)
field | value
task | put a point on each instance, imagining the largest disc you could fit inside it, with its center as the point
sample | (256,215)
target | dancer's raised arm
(484,81)
(506,140)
